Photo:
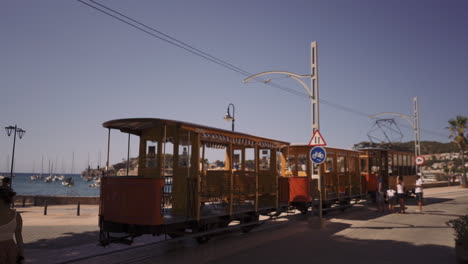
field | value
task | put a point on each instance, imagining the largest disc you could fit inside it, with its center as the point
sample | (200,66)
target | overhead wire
(195,51)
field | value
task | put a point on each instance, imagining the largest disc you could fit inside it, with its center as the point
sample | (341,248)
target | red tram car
(299,184)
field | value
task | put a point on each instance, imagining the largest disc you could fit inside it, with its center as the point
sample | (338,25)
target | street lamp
(228,116)
(312,91)
(14,130)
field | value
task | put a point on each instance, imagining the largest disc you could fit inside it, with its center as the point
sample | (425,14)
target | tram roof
(135,126)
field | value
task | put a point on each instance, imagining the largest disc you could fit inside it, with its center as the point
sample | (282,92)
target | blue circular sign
(318,155)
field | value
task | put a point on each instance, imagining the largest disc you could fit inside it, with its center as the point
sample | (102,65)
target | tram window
(374,164)
(279,164)
(291,164)
(237,159)
(185,150)
(329,164)
(302,160)
(250,159)
(265,156)
(168,151)
(363,165)
(350,166)
(151,154)
(390,164)
(215,157)
(341,164)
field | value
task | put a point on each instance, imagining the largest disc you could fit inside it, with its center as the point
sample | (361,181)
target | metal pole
(417,142)
(13,158)
(233,116)
(315,111)
(108,151)
(128,154)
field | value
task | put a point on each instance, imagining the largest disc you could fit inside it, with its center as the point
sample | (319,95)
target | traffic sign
(318,155)
(317,140)
(419,160)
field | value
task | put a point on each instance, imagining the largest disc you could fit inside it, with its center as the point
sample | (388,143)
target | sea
(23,185)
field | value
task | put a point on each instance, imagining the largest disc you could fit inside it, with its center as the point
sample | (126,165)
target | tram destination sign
(419,160)
(318,155)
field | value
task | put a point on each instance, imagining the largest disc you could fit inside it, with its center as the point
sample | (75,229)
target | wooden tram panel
(174,190)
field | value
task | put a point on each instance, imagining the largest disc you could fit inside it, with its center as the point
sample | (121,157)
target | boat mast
(73,161)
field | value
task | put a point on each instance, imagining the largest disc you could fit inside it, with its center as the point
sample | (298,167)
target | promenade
(358,235)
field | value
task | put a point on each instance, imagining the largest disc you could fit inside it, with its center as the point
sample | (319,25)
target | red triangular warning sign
(317,140)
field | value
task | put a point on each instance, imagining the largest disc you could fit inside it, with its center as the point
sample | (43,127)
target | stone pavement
(61,236)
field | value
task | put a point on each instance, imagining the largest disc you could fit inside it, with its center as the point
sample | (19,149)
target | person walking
(11,225)
(379,195)
(401,193)
(419,192)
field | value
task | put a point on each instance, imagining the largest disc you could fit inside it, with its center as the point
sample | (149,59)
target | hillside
(427,147)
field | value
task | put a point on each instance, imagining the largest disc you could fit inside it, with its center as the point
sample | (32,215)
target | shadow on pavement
(325,247)
(68,240)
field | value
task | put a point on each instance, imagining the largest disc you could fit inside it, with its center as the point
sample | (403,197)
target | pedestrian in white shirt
(391,199)
(419,192)
(401,193)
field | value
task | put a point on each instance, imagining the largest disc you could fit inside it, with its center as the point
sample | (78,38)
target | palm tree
(457,128)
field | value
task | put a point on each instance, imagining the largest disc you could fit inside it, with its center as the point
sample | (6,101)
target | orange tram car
(193,179)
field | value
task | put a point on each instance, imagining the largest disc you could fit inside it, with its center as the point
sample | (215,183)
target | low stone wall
(40,200)
(439,184)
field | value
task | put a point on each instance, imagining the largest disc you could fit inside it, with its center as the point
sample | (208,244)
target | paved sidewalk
(62,235)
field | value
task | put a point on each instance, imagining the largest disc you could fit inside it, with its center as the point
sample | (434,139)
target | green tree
(458,128)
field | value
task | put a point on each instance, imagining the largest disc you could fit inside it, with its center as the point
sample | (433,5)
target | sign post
(318,155)
(419,160)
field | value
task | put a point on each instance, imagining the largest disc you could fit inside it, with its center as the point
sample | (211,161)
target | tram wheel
(247,229)
(104,238)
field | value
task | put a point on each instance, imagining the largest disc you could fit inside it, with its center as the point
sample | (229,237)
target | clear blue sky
(66,68)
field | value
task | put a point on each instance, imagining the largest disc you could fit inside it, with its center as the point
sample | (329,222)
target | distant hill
(427,147)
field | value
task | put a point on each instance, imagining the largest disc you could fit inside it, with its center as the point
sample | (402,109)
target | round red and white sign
(419,160)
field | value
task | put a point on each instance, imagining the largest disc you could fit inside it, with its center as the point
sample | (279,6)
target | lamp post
(228,116)
(313,92)
(14,130)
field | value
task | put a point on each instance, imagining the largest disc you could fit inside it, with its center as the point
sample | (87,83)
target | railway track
(161,247)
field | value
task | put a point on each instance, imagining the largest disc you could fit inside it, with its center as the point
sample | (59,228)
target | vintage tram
(299,181)
(177,190)
(389,164)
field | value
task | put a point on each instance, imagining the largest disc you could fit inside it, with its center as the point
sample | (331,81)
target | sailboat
(38,176)
(69,180)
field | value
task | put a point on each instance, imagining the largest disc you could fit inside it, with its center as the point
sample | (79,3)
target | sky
(65,68)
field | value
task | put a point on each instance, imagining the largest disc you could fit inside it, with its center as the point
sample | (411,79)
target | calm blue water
(23,185)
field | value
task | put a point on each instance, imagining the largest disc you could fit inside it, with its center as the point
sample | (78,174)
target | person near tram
(419,192)
(380,195)
(401,193)
(391,200)
(11,224)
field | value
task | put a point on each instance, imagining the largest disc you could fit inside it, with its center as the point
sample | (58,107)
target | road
(358,235)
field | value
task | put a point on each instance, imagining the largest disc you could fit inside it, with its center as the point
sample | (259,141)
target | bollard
(24,202)
(78,209)
(45,207)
